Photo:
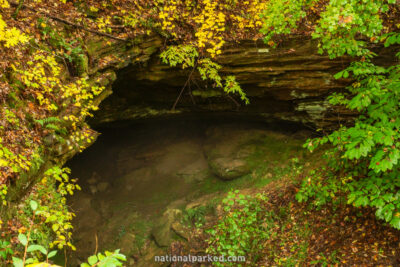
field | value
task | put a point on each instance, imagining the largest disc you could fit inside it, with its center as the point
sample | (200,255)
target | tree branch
(183,89)
(19,6)
(68,22)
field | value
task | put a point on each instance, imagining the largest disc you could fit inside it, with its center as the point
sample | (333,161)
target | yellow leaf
(3,163)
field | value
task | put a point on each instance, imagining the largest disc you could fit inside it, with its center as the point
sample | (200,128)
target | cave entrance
(138,171)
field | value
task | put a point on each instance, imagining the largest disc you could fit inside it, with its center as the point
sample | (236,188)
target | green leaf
(378,202)
(33,205)
(40,248)
(29,261)
(119,256)
(52,254)
(85,265)
(338,75)
(92,260)
(361,201)
(17,262)
(388,215)
(22,238)
(395,222)
(55,227)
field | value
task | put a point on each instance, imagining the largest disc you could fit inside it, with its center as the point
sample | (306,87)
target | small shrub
(242,230)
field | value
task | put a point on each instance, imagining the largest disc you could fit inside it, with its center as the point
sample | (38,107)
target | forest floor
(305,236)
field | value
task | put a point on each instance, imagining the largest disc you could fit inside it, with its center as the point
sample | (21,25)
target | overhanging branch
(19,6)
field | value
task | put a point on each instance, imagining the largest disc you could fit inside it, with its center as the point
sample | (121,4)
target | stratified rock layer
(290,82)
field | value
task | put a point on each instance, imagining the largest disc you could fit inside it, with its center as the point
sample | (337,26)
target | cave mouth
(137,169)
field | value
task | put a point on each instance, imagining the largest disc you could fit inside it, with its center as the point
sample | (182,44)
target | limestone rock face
(290,82)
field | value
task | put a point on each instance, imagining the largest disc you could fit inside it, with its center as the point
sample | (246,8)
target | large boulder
(163,232)
(228,148)
(229,168)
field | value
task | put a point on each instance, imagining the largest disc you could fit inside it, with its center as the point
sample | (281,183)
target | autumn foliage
(46,93)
